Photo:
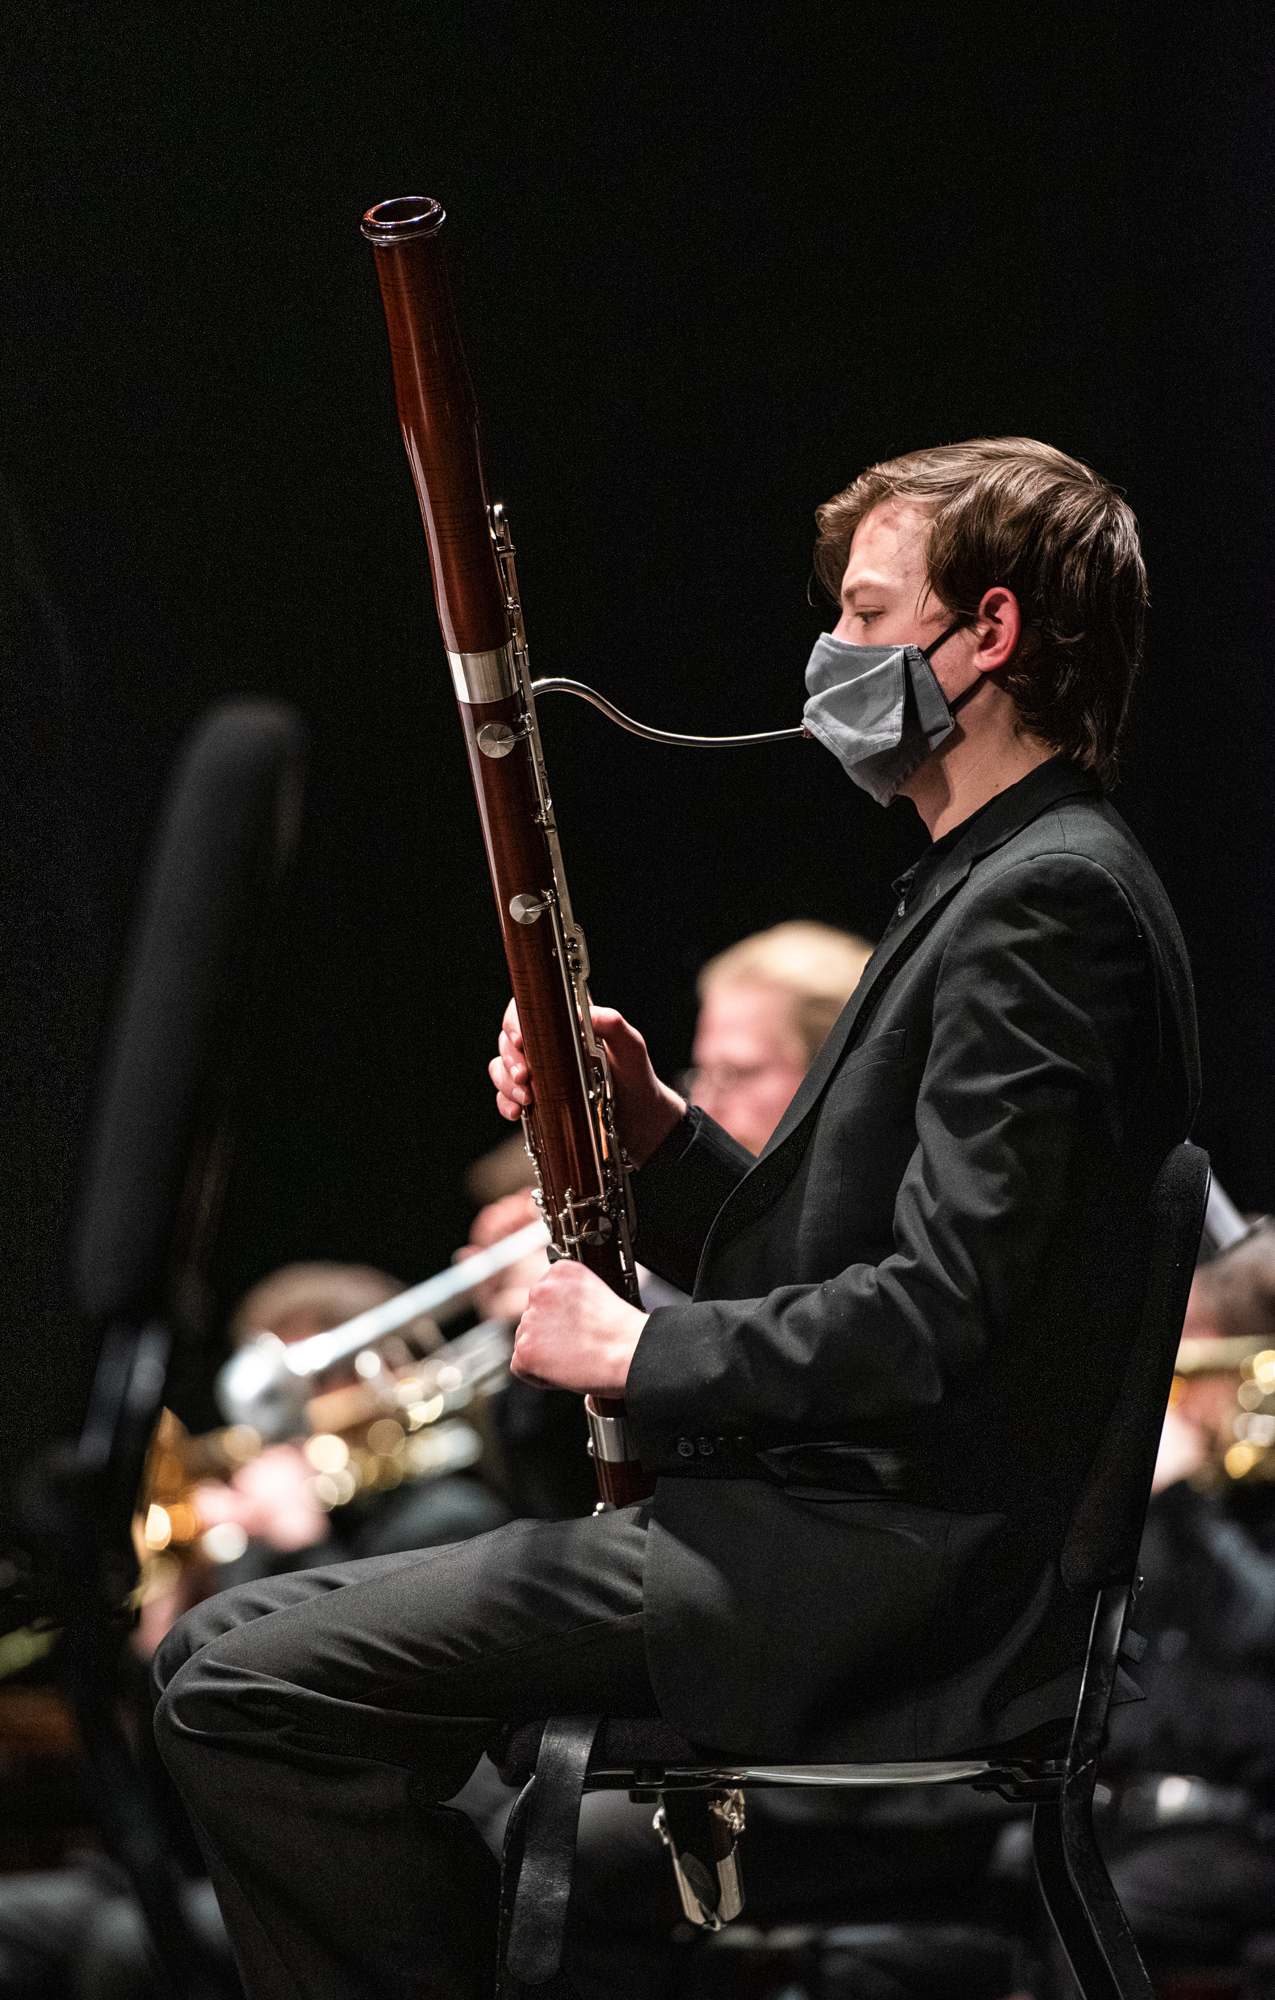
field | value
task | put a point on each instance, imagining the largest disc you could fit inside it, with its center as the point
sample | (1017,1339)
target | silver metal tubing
(613,714)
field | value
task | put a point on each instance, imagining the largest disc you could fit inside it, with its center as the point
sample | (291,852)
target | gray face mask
(879,709)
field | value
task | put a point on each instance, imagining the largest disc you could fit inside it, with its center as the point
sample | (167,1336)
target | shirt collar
(991,825)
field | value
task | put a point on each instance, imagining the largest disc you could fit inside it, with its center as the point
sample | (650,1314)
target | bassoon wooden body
(583,1181)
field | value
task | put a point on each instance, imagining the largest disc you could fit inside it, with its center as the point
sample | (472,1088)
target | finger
(522,1360)
(508,1109)
(514,1059)
(517,1094)
(510,1023)
(618,1034)
(560,1276)
(607,1019)
(516,1070)
(525,1375)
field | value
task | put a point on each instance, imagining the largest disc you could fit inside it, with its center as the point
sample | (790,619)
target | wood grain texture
(440,430)
(518,857)
(439,418)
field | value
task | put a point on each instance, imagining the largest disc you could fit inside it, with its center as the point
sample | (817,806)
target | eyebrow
(868,582)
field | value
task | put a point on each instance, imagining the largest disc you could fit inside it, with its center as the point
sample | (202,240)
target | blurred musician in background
(221,1510)
(226,1511)
(1189,1775)
(767,1005)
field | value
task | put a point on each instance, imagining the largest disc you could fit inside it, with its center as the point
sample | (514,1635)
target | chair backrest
(1106,1528)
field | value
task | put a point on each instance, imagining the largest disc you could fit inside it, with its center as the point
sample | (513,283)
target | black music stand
(154,1170)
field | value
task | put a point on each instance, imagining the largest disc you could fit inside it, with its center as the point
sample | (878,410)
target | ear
(997,629)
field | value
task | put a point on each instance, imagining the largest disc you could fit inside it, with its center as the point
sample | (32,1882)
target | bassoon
(583,1184)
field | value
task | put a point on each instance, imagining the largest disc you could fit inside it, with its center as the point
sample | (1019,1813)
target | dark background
(710,265)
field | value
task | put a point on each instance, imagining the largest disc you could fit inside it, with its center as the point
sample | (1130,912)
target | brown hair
(323,1295)
(1237,1288)
(1013,512)
(817,966)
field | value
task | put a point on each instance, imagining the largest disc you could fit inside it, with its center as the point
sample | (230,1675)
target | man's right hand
(646,1110)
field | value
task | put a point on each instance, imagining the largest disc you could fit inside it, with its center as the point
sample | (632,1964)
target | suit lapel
(863,1001)
(781,1156)
(763,1184)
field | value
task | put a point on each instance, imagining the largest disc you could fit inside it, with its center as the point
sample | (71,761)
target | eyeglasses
(718,1079)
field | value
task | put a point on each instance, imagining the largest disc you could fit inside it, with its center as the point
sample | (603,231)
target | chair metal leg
(1083,1906)
(1107,1919)
(1073,1878)
(1066,1911)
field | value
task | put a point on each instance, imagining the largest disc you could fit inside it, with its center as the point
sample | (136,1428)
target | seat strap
(551,1817)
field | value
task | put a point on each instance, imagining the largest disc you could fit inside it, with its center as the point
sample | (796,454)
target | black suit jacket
(910,1316)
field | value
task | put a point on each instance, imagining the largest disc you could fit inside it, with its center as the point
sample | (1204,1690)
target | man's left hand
(576,1333)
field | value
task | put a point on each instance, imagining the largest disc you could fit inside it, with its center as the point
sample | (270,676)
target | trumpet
(393,1427)
(269,1386)
(1226,1385)
(398,1422)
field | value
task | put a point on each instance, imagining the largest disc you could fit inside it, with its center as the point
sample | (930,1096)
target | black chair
(569,1755)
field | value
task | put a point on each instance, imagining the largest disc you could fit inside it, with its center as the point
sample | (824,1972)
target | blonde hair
(816,966)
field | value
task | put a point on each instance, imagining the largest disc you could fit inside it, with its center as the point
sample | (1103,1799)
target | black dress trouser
(314,1723)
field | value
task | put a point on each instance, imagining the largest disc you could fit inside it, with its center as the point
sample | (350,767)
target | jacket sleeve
(679,1191)
(1043,1042)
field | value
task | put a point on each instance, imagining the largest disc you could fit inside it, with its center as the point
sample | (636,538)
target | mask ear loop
(928,652)
(957,625)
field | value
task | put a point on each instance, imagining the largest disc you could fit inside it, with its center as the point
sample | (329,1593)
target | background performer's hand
(576,1333)
(646,1110)
(505,1295)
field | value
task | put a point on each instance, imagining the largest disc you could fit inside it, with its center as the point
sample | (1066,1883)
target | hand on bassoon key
(646,1110)
(576,1333)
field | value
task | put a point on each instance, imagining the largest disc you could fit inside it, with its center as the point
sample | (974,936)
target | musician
(1187,1811)
(863,1480)
(1185,1805)
(767,1006)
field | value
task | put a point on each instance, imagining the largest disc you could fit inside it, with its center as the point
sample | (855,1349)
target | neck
(988,751)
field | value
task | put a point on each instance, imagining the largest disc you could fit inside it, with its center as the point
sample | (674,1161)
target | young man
(909,1321)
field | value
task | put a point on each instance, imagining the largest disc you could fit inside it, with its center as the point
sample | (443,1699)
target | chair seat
(643,1750)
